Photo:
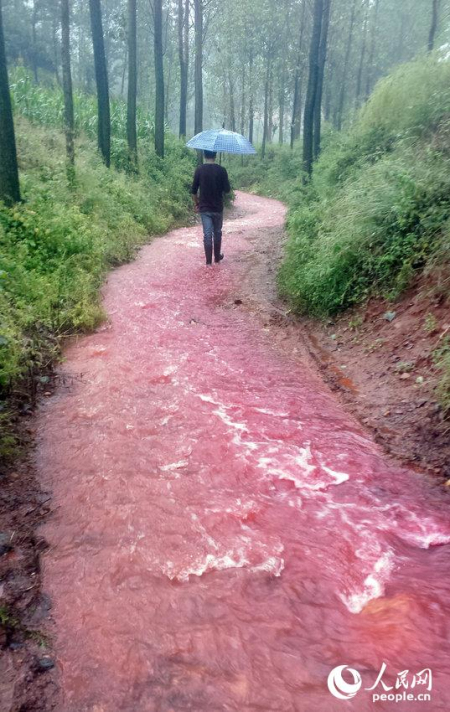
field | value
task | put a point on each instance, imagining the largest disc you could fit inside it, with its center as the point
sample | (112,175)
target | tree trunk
(132,83)
(296,104)
(159,80)
(362,57)
(434,24)
(69,122)
(295,109)
(266,107)
(183,54)
(311,95)
(34,41)
(101,78)
(168,85)
(124,71)
(242,117)
(56,48)
(251,111)
(328,92)
(281,116)
(270,109)
(198,110)
(231,99)
(9,174)
(370,67)
(322,62)
(348,51)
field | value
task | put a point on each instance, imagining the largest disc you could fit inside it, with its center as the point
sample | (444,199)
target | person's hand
(196,208)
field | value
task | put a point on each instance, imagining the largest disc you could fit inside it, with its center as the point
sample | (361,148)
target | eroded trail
(224,535)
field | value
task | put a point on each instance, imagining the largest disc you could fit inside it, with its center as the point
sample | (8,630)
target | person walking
(211,180)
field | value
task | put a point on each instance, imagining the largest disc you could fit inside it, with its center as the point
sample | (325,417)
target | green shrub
(442,361)
(376,212)
(56,246)
(275,176)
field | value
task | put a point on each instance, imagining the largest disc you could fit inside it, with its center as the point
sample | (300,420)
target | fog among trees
(265,69)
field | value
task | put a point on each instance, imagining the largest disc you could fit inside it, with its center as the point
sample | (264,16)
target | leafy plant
(442,360)
(56,247)
(377,210)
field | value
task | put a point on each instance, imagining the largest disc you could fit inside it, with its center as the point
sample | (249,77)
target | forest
(138,78)
(266,70)
(214,477)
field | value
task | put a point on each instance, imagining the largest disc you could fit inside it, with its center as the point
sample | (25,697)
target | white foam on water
(239,507)
(271,412)
(373,585)
(223,415)
(303,460)
(298,468)
(174,466)
(339,477)
(430,533)
(273,565)
(230,560)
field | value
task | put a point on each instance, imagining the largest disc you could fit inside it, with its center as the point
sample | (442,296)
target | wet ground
(386,372)
(224,535)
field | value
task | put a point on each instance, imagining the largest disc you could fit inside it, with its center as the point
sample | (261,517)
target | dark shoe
(220,258)
(208,254)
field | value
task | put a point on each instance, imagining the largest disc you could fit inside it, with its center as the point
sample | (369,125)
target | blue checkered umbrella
(221,141)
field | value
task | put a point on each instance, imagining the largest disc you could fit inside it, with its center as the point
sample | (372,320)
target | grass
(275,176)
(58,244)
(442,361)
(43,105)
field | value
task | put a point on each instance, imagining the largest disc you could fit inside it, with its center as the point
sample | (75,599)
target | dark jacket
(212,180)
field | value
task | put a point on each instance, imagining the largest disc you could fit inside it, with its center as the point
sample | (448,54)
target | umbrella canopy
(221,141)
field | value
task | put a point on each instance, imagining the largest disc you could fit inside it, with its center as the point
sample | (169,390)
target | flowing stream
(223,534)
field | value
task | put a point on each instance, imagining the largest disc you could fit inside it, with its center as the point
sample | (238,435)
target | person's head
(210,155)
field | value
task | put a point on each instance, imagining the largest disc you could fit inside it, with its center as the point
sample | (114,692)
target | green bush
(376,212)
(44,105)
(56,246)
(275,176)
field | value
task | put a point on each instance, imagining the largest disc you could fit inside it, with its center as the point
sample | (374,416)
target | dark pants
(212,226)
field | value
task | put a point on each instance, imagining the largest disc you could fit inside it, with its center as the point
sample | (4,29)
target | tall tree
(132,83)
(251,105)
(363,53)
(243,101)
(322,61)
(373,39)
(101,78)
(298,77)
(434,24)
(183,56)
(266,107)
(159,78)
(198,111)
(69,123)
(9,174)
(311,96)
(34,16)
(348,51)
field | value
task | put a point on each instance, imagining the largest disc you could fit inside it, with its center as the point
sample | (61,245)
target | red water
(223,533)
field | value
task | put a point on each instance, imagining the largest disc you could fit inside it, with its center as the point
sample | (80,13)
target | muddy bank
(377,359)
(28,680)
(385,374)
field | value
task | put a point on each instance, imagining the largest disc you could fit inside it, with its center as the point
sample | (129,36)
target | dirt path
(224,535)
